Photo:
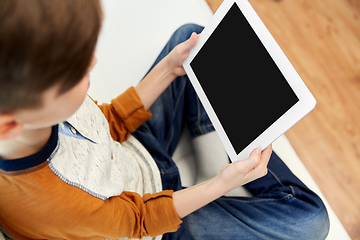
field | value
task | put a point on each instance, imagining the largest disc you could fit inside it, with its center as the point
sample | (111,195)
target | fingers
(265,157)
(251,162)
(266,154)
(267,151)
(258,161)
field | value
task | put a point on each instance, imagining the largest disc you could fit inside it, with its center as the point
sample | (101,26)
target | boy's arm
(134,216)
(128,111)
(130,215)
(125,114)
(66,212)
(160,77)
(230,177)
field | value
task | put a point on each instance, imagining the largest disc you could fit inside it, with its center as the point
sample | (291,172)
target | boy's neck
(27,143)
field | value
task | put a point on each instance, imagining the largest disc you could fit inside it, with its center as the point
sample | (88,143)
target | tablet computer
(249,89)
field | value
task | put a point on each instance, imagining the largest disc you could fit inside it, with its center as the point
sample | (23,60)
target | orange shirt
(35,203)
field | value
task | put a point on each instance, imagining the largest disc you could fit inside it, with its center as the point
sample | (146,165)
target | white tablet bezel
(306,101)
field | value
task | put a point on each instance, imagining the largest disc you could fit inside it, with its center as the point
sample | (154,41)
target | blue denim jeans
(282,207)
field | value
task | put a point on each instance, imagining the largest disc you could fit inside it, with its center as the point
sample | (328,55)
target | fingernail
(258,151)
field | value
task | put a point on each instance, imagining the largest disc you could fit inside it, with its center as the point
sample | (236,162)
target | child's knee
(323,223)
(184,32)
(190,28)
(315,223)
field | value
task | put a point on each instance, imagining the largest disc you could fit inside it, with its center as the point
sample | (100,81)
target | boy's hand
(239,173)
(161,76)
(177,56)
(230,177)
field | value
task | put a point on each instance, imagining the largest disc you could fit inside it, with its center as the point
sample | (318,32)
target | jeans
(282,207)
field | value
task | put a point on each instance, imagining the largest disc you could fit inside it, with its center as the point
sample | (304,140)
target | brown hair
(44,43)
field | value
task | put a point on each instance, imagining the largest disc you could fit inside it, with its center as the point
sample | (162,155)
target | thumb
(193,40)
(252,161)
(256,153)
(190,43)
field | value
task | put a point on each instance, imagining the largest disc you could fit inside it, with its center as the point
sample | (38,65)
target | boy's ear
(9,127)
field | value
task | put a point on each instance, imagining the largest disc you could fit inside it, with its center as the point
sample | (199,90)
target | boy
(64,173)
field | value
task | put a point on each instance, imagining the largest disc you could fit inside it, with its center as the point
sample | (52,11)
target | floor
(322,41)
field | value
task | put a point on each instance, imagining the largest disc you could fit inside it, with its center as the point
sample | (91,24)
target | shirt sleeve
(67,212)
(158,214)
(133,216)
(125,114)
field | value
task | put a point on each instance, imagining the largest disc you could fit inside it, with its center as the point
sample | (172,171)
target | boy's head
(43,44)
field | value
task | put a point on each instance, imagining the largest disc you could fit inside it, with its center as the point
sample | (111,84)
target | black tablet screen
(243,84)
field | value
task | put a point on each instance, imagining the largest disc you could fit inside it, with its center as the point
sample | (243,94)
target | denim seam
(164,170)
(198,118)
(205,128)
(277,179)
(292,190)
(174,113)
(170,139)
(198,129)
(261,200)
(179,97)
